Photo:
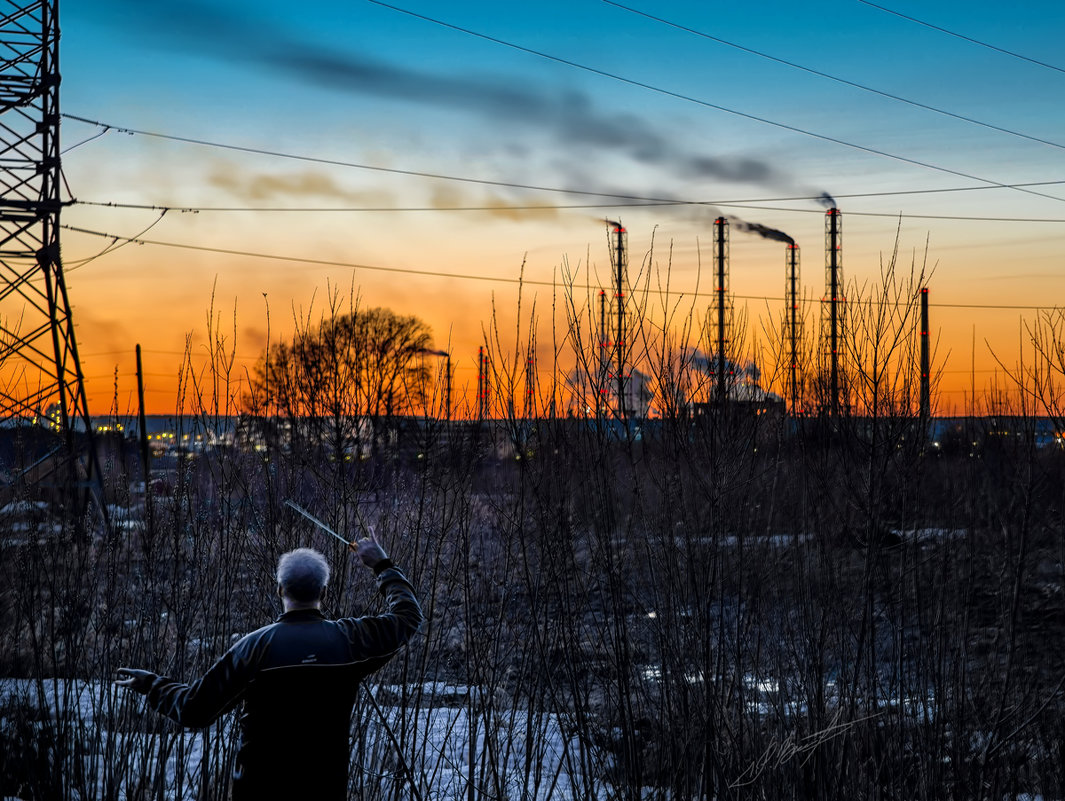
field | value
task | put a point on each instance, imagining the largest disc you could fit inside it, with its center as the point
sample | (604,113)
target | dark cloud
(570,117)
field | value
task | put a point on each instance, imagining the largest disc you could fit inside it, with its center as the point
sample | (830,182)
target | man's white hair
(302,574)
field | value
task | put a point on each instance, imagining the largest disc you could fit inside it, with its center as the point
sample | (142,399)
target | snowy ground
(127,747)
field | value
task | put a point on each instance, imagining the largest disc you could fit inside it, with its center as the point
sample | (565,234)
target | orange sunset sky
(424,158)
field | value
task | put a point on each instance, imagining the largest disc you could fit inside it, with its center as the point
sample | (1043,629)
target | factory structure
(607,384)
(812,374)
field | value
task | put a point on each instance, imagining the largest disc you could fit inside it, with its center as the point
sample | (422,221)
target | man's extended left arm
(198,704)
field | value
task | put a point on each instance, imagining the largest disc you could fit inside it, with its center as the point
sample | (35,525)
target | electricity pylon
(40,374)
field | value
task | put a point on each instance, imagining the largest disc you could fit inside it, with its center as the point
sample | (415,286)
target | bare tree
(350,367)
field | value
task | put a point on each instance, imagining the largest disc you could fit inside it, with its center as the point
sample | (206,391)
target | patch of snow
(126,745)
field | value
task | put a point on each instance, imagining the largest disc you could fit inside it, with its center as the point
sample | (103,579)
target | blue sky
(363,83)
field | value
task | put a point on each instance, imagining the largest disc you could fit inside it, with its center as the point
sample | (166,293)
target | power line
(649,200)
(957,35)
(837,79)
(352,164)
(193,354)
(637,200)
(470,276)
(85,141)
(706,103)
(192,209)
(954,217)
(577,206)
(306,260)
(115,244)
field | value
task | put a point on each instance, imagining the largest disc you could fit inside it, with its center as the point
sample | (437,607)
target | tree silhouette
(350,370)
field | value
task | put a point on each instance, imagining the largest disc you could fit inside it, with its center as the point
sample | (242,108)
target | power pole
(38,349)
(484,397)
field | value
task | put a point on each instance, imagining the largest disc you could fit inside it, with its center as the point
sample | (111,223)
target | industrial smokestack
(926,394)
(721,288)
(601,387)
(621,259)
(792,321)
(835,303)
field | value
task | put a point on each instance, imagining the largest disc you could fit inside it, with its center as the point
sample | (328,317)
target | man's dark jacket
(297,679)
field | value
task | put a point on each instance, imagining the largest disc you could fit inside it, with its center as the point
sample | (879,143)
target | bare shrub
(709,603)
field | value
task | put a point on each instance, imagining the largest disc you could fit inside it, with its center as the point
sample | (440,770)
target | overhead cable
(188,209)
(836,78)
(987,184)
(339,163)
(706,103)
(466,276)
(957,35)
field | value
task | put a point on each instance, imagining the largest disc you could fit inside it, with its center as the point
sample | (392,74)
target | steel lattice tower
(793,324)
(40,374)
(620,252)
(722,313)
(833,310)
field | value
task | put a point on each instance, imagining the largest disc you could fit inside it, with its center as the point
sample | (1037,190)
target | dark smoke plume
(762,230)
(827,200)
(569,117)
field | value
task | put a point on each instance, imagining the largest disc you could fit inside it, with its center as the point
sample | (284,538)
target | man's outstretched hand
(140,681)
(369,550)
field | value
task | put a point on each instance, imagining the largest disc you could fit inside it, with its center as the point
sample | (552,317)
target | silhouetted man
(296,680)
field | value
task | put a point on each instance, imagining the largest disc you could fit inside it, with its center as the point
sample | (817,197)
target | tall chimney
(835,303)
(601,387)
(621,258)
(792,322)
(926,395)
(721,307)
